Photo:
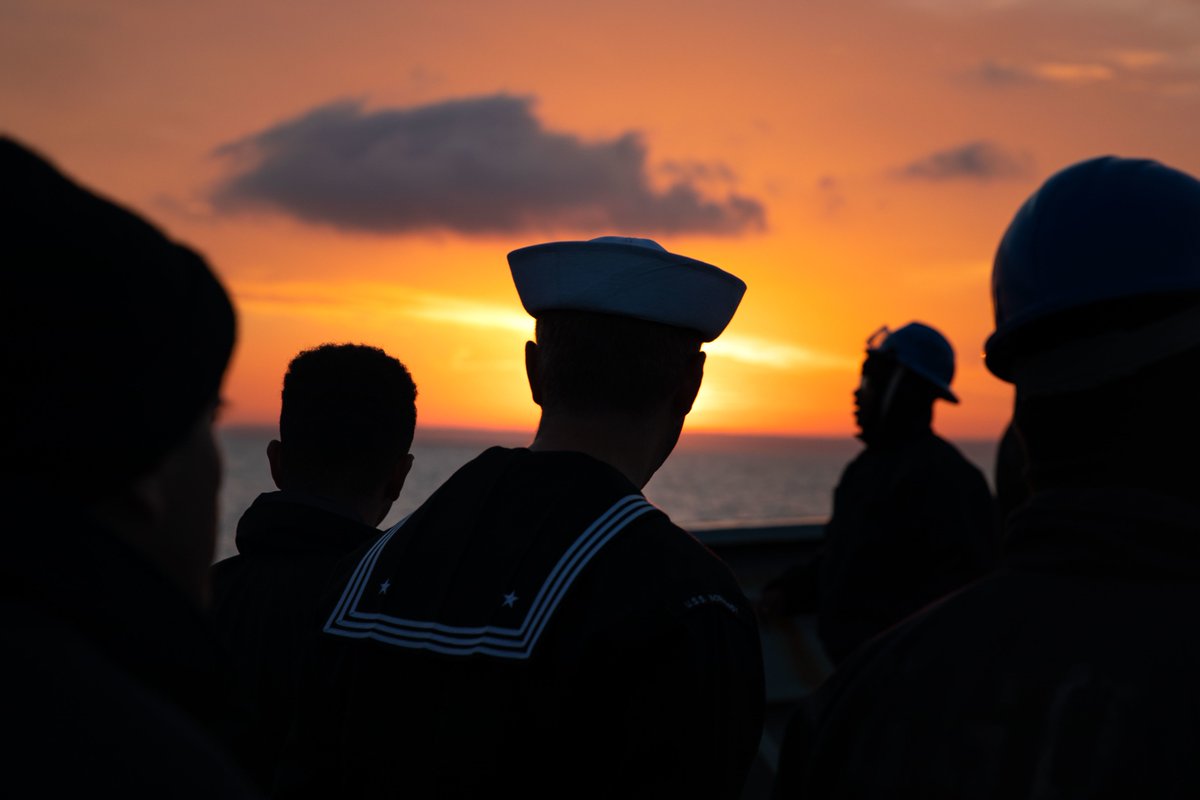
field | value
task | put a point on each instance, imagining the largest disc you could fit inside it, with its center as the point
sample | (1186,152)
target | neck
(896,432)
(634,446)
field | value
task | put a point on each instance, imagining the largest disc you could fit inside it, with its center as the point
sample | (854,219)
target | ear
(275,459)
(395,481)
(533,371)
(685,398)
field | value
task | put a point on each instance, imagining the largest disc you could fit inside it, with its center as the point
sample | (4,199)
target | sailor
(912,518)
(113,346)
(346,425)
(537,628)
(1071,670)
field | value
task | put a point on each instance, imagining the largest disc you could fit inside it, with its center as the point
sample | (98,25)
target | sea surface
(710,481)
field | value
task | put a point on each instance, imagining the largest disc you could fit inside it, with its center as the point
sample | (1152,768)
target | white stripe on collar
(515,643)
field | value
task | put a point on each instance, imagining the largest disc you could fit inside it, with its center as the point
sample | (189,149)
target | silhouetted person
(346,424)
(1012,484)
(912,519)
(1071,671)
(537,628)
(113,346)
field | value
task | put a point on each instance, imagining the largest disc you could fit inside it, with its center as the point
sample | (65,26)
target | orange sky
(886,144)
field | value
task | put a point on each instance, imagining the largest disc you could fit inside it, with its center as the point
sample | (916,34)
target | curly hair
(348,412)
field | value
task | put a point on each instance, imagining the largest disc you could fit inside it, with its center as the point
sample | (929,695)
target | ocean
(710,480)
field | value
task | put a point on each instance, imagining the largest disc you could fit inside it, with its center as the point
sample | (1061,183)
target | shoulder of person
(671,571)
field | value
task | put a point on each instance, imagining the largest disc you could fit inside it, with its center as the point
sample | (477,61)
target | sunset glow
(358,171)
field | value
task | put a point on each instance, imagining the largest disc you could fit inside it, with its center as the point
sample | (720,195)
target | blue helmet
(1099,231)
(920,349)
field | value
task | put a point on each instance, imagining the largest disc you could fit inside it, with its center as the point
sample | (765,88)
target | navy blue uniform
(536,628)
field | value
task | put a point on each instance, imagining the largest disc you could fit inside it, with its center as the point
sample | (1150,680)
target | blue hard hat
(1098,231)
(920,349)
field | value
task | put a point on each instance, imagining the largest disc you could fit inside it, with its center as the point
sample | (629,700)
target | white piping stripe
(533,617)
(364,567)
(362,572)
(581,549)
(462,647)
(618,514)
(596,530)
(488,640)
(579,568)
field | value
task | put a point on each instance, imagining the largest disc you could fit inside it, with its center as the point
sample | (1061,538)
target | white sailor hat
(627,277)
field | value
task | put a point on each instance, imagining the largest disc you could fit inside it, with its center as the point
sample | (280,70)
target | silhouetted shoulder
(112,737)
(1043,671)
(661,565)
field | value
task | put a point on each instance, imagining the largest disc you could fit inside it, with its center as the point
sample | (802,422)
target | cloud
(997,73)
(830,190)
(1131,70)
(775,355)
(481,165)
(961,6)
(382,300)
(1066,73)
(470,313)
(1139,59)
(979,160)
(698,172)
(1160,12)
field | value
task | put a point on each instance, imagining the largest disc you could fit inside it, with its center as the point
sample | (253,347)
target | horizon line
(476,433)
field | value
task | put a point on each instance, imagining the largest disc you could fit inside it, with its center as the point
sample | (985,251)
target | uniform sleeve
(691,700)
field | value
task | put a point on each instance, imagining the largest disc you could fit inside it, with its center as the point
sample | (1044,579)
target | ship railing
(794,662)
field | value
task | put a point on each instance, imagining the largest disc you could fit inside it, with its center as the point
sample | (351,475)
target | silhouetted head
(115,340)
(903,373)
(619,327)
(346,426)
(592,363)
(1096,289)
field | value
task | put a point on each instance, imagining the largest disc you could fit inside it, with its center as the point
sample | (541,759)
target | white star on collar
(383,587)
(510,599)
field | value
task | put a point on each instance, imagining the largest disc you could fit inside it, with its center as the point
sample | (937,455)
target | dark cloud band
(474,166)
(979,160)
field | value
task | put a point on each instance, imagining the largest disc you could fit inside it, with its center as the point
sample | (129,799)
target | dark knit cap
(114,338)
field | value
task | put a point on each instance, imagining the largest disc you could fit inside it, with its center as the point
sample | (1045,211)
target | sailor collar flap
(483,566)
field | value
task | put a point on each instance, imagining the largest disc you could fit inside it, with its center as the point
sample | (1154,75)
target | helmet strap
(889,394)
